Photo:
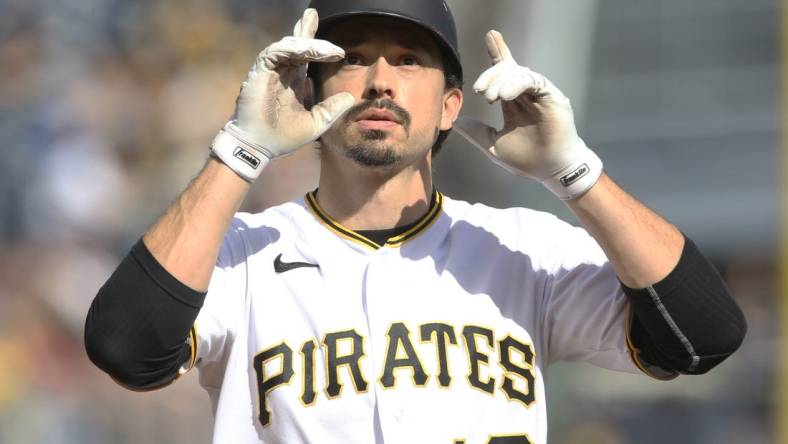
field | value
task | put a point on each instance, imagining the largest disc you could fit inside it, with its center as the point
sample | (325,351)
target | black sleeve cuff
(166,281)
(688,322)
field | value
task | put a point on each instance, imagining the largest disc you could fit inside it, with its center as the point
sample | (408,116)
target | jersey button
(399,414)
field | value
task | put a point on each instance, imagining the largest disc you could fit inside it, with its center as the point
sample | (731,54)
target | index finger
(496,47)
(306,27)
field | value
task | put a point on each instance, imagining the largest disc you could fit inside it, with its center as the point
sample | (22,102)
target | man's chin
(378,156)
(374,134)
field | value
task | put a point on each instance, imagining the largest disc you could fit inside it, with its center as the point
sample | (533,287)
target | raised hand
(271,118)
(538,139)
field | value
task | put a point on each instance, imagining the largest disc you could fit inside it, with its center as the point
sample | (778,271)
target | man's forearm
(137,326)
(685,320)
(187,238)
(642,246)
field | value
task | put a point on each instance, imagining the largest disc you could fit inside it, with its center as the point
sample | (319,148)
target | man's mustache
(399,112)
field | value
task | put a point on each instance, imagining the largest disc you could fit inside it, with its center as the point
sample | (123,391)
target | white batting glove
(270,118)
(538,139)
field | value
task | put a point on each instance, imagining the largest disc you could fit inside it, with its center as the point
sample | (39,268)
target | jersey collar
(419,227)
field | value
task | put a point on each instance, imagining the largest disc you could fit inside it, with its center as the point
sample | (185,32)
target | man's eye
(410,61)
(352,59)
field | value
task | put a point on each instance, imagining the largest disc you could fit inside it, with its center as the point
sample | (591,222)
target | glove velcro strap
(245,158)
(574,180)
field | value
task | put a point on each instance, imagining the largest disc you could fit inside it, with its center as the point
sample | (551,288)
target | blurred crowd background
(107,108)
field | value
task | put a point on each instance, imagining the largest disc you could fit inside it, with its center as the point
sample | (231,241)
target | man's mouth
(377,119)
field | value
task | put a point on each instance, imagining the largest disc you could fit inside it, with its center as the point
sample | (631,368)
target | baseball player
(377,309)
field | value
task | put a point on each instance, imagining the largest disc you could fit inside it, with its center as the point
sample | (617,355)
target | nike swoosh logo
(281,267)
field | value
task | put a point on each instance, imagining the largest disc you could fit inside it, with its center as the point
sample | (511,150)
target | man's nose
(381,80)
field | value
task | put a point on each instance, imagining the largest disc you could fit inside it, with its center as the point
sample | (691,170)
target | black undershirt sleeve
(139,323)
(688,322)
(138,326)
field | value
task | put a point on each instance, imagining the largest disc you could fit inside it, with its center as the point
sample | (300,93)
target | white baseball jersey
(312,333)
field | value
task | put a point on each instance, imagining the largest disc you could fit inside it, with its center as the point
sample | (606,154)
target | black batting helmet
(432,15)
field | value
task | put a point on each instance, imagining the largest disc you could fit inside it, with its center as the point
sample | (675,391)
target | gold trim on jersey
(422,224)
(192,347)
(426,221)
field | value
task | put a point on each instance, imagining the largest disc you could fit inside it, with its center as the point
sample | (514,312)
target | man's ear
(452,103)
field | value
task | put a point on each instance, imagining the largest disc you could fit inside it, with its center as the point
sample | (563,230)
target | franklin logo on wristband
(247,157)
(572,177)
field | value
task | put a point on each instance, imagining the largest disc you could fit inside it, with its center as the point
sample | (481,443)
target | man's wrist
(244,157)
(575,179)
